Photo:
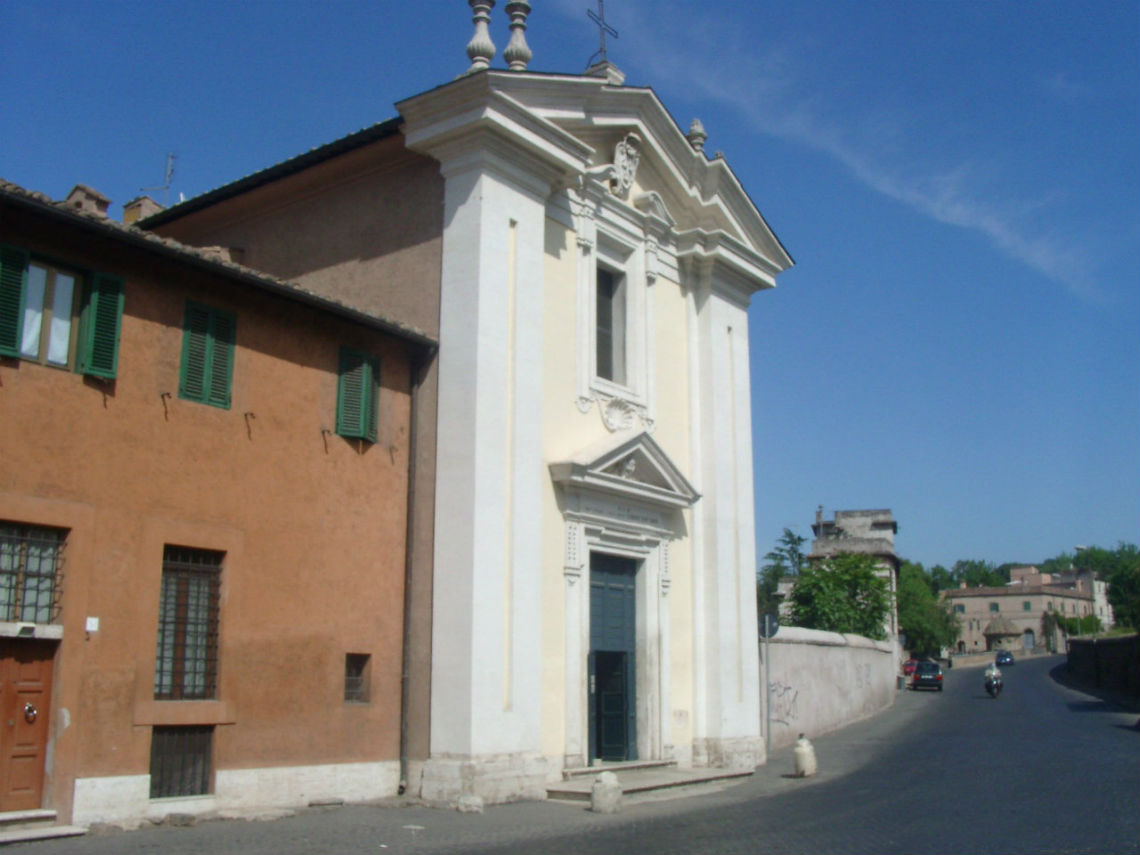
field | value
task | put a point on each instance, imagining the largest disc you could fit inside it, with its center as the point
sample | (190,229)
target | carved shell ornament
(627,156)
(617,414)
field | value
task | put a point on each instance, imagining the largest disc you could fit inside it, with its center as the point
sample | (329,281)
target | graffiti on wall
(783,704)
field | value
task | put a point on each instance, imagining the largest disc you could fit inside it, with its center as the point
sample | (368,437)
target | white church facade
(593,595)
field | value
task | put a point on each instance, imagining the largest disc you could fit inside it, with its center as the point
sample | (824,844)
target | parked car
(927,675)
(908,667)
(1004,657)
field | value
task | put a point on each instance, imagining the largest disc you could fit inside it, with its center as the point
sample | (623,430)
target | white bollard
(605,795)
(804,758)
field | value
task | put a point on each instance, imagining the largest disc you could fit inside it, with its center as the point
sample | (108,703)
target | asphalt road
(1044,769)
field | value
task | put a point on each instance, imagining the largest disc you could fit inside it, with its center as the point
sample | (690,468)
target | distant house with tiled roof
(1023,606)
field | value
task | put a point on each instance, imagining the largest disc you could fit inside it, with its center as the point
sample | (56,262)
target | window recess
(610,334)
(186,659)
(357,677)
(180,761)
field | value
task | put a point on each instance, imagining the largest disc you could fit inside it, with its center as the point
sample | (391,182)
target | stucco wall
(820,681)
(347,228)
(312,527)
(365,228)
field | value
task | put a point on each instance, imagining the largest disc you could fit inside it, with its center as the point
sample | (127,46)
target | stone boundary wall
(1107,663)
(822,681)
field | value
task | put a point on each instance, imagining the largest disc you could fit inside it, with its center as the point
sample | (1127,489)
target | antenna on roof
(599,18)
(165,188)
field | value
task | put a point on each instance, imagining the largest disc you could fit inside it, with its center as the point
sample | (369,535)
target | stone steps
(19,826)
(644,781)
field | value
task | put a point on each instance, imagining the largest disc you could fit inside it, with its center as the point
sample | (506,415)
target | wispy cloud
(765,90)
(1061,87)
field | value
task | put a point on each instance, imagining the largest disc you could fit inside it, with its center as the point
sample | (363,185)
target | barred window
(180,761)
(356,677)
(31,561)
(186,662)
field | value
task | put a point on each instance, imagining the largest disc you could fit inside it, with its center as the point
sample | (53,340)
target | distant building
(863,533)
(984,615)
(1080,580)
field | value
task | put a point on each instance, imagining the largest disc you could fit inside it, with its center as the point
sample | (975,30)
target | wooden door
(25,697)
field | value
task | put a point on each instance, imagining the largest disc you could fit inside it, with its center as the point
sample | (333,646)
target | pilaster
(727,712)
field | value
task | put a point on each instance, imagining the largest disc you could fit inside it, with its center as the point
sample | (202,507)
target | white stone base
(495,778)
(125,800)
(741,752)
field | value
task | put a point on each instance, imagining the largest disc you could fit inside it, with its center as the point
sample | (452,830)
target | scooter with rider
(993,680)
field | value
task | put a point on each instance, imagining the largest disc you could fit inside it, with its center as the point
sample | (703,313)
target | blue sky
(959,183)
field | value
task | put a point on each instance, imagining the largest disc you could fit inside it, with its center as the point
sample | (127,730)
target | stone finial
(697,135)
(517,54)
(480,50)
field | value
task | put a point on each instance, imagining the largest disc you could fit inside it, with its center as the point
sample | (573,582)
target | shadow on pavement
(1107,700)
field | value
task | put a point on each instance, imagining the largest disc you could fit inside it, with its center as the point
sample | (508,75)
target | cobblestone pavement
(1044,769)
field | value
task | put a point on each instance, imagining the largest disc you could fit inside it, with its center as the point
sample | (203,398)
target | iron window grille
(356,677)
(31,572)
(180,761)
(186,661)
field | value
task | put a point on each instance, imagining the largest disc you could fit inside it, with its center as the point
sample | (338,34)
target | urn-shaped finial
(480,50)
(517,53)
(697,135)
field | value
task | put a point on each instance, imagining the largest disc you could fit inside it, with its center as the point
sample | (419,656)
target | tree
(927,620)
(978,574)
(1119,567)
(1123,577)
(842,594)
(787,559)
(1059,564)
(941,579)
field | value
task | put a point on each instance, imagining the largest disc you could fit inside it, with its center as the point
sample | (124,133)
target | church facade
(594,550)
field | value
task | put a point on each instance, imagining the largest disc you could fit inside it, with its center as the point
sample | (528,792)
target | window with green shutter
(43,305)
(358,378)
(208,337)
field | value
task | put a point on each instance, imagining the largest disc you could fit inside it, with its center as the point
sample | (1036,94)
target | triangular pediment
(629,464)
(575,125)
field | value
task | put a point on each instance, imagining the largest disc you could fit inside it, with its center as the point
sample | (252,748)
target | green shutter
(356,395)
(208,337)
(99,327)
(195,353)
(222,362)
(13,270)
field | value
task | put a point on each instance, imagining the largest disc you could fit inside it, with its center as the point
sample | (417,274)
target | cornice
(454,121)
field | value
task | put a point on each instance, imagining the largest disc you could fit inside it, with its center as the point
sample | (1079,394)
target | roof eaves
(300,162)
(204,260)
